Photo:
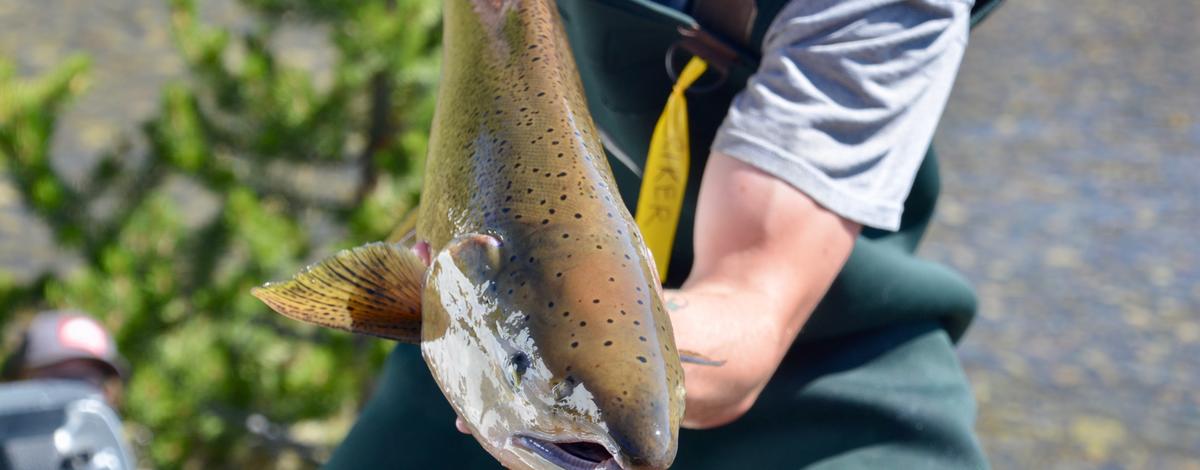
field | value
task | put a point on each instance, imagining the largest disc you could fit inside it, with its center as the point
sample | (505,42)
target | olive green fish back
(514,154)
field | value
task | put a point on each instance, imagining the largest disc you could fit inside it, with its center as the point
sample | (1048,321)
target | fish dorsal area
(511,127)
(567,334)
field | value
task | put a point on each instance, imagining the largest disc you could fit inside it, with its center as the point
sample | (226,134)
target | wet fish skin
(514,155)
(540,315)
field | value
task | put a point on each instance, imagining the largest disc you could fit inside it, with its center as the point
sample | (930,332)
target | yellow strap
(665,177)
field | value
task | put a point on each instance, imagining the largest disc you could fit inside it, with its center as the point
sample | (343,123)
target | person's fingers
(461,425)
(421,249)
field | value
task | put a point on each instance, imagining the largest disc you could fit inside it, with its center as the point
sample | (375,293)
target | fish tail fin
(374,289)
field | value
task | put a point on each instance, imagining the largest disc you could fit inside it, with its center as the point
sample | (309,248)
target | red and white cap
(62,335)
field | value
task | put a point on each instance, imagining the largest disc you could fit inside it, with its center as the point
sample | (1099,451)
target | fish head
(566,363)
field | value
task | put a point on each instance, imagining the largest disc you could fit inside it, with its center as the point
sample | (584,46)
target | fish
(533,297)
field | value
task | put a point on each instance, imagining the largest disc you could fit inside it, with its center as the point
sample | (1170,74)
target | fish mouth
(577,455)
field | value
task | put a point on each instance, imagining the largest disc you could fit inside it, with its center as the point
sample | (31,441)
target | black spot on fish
(608,343)
(578,215)
(582,323)
(641,358)
(575,344)
(642,339)
(595,301)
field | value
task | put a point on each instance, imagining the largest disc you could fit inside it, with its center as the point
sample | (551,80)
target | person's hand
(461,425)
(421,249)
(765,254)
(721,326)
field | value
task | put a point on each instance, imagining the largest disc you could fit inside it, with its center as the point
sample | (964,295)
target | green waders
(871,382)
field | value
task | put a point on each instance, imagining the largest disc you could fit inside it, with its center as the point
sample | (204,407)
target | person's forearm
(765,256)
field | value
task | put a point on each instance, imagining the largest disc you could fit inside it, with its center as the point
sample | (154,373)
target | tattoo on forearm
(676,303)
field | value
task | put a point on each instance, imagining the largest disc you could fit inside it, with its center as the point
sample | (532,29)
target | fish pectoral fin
(692,357)
(374,289)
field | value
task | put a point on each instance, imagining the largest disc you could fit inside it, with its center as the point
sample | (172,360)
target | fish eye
(518,363)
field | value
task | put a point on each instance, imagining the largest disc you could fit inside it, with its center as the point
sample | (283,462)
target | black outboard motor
(59,425)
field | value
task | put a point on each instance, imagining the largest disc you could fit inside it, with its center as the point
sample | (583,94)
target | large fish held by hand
(539,313)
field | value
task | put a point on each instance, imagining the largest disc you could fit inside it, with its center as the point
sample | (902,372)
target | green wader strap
(620,47)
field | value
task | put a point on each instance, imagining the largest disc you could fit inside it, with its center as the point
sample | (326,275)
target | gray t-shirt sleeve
(846,99)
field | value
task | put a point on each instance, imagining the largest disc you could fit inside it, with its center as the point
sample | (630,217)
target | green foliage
(169,270)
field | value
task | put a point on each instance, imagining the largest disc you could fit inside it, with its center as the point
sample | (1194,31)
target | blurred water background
(1069,167)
